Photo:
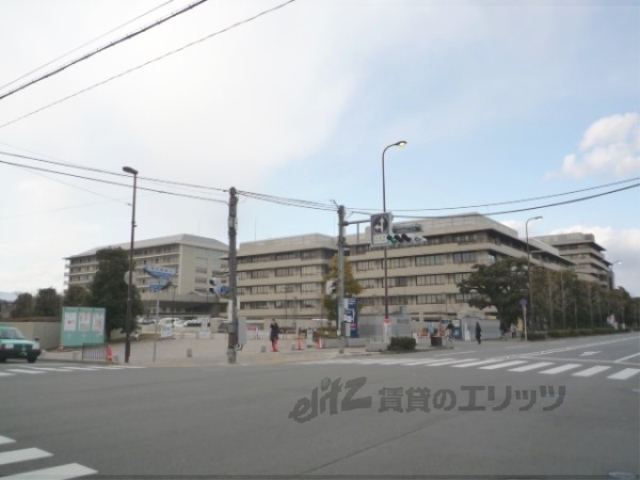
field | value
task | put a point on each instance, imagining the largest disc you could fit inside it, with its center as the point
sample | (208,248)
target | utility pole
(233,231)
(341,242)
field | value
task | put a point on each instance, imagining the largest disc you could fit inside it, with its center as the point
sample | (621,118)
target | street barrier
(94,351)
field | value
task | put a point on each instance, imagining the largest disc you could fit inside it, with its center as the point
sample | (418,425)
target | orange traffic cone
(109,354)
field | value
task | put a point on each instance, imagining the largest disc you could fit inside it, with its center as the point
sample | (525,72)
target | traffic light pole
(341,242)
(233,226)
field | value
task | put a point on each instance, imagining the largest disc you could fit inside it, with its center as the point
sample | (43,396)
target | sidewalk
(190,351)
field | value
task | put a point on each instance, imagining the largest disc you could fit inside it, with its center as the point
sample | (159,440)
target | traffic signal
(404,238)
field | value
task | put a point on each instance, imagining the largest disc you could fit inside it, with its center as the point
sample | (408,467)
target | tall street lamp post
(127,348)
(526,227)
(401,143)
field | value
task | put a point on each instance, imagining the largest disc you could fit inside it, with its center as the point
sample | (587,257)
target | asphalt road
(230,421)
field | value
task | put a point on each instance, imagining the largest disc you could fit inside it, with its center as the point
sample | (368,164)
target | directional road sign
(160,272)
(380,228)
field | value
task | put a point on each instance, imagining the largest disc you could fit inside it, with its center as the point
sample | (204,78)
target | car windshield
(11,333)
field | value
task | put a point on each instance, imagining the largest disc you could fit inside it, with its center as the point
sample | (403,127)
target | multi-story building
(283,277)
(195,259)
(588,256)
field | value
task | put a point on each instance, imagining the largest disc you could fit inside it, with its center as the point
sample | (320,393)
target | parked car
(13,344)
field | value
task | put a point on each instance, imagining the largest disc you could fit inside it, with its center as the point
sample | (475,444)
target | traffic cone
(109,354)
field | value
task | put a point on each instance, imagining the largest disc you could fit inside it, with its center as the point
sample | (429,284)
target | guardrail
(94,351)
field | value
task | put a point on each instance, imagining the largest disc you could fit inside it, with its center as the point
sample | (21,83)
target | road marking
(80,368)
(22,455)
(49,369)
(591,371)
(533,366)
(63,472)
(108,368)
(450,362)
(586,354)
(620,360)
(624,374)
(456,353)
(560,369)
(18,370)
(390,362)
(422,362)
(5,440)
(473,364)
(3,374)
(502,365)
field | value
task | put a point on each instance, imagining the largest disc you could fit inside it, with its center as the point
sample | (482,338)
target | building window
(464,257)
(400,262)
(262,289)
(310,287)
(310,255)
(201,270)
(431,298)
(428,260)
(310,270)
(201,280)
(287,272)
(423,280)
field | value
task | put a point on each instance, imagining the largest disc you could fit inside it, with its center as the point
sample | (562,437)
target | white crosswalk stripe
(62,472)
(562,368)
(29,370)
(22,370)
(625,374)
(22,455)
(497,363)
(591,371)
(503,365)
(533,366)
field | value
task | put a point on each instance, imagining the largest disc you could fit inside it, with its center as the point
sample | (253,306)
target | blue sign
(351,315)
(160,272)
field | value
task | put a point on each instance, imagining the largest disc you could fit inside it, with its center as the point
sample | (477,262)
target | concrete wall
(48,333)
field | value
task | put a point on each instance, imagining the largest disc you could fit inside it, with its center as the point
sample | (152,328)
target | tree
(109,291)
(47,303)
(77,296)
(351,287)
(23,306)
(501,284)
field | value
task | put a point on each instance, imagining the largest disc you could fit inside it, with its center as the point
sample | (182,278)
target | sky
(500,102)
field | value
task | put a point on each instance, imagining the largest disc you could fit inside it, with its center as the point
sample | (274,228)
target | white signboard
(166,331)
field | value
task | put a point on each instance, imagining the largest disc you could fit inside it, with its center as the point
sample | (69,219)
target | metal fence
(94,351)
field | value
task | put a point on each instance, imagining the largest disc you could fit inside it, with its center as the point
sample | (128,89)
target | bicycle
(448,339)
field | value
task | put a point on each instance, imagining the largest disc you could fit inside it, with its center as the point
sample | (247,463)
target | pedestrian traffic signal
(213,285)
(330,287)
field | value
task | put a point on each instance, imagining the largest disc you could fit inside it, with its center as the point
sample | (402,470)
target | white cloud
(611,145)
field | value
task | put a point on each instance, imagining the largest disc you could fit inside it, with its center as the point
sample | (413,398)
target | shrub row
(402,344)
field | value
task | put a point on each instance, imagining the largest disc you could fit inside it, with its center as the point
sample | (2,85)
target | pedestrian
(513,330)
(273,335)
(478,332)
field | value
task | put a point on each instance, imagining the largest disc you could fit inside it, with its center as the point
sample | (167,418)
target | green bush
(402,344)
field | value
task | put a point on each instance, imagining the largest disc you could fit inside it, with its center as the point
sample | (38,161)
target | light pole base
(231,356)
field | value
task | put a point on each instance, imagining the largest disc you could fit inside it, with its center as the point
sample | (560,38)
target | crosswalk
(32,371)
(23,455)
(512,365)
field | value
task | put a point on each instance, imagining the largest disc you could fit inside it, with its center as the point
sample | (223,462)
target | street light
(401,143)
(526,227)
(127,348)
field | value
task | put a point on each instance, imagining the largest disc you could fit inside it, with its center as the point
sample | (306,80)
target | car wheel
(32,359)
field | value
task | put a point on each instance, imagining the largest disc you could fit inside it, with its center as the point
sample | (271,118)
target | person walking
(478,333)
(273,335)
(513,330)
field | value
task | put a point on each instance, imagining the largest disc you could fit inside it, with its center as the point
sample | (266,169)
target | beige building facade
(194,258)
(283,278)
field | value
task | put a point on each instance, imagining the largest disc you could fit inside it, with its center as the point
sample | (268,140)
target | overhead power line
(566,202)
(156,59)
(109,182)
(84,45)
(102,49)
